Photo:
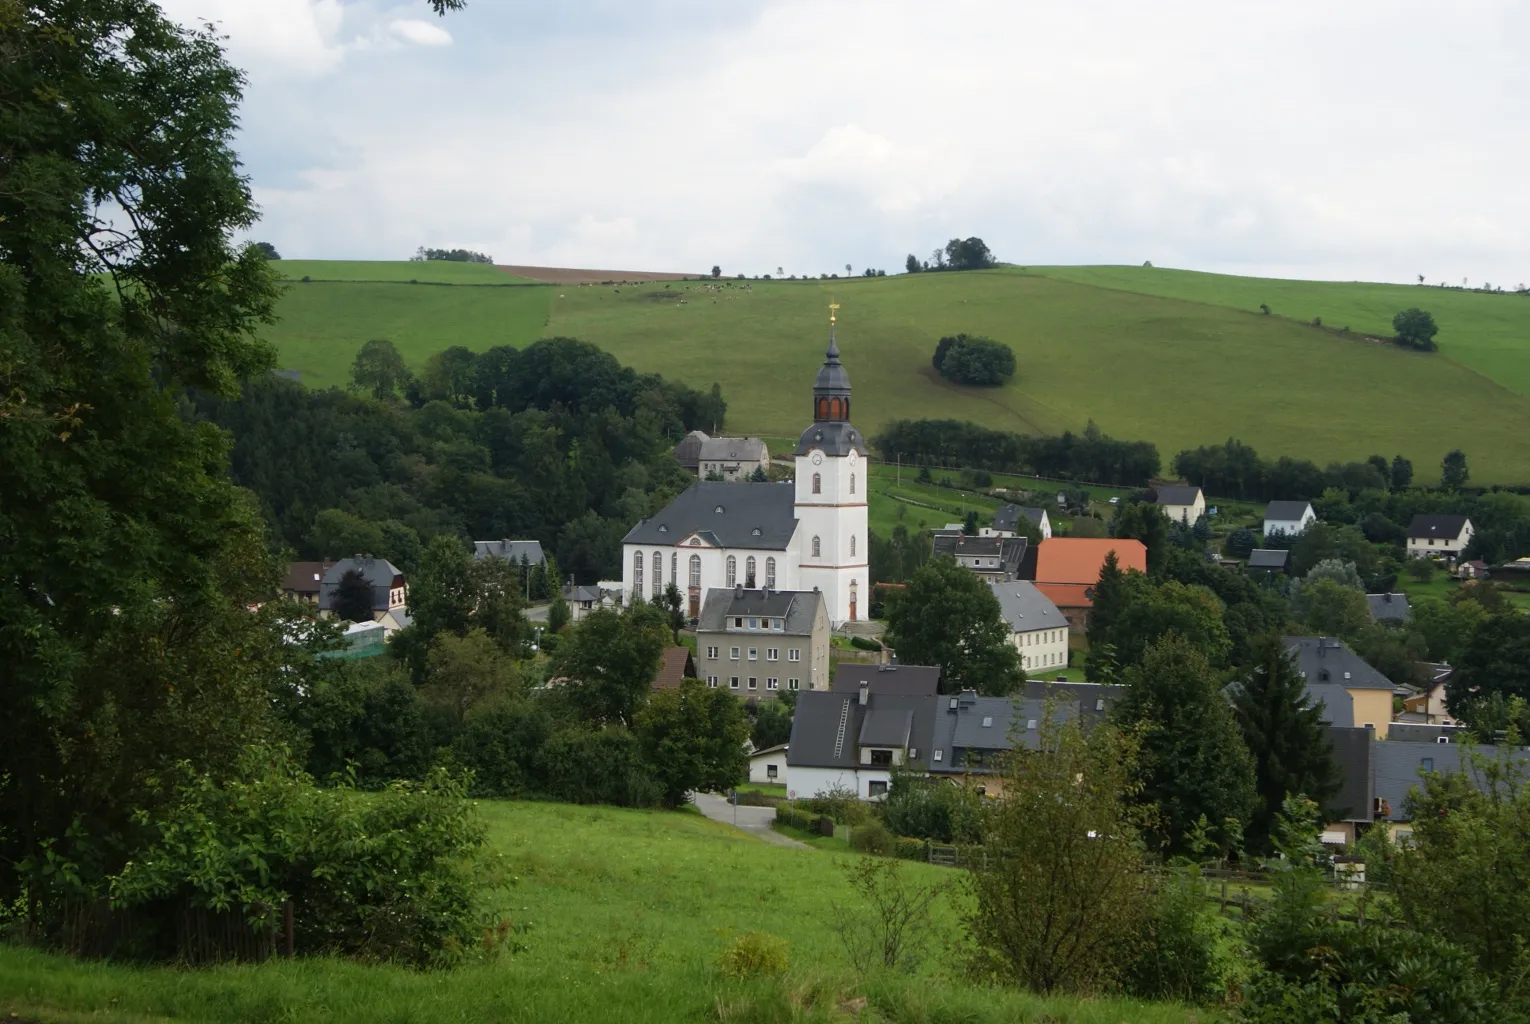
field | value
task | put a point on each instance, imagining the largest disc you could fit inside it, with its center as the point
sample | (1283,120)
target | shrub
(909,848)
(864,643)
(871,838)
(892,926)
(840,804)
(754,955)
(1176,953)
(972,360)
(794,817)
(926,808)
(605,766)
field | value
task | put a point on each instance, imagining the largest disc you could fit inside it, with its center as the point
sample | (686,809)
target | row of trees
(1090,455)
(957,254)
(423,254)
(1235,470)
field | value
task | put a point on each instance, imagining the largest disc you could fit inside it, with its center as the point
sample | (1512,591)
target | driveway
(753,820)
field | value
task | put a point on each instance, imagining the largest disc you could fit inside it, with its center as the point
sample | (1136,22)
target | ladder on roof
(839,737)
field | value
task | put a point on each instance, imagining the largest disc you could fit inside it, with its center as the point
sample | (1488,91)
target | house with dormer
(758,644)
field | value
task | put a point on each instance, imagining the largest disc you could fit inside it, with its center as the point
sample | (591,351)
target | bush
(753,956)
(606,766)
(840,804)
(927,808)
(975,361)
(871,838)
(1176,954)
(793,817)
(909,848)
(864,643)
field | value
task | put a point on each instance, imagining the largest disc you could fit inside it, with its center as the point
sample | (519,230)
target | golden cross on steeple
(832,307)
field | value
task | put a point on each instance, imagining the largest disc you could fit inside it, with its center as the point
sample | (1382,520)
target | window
(772,683)
(791,684)
(695,572)
(658,574)
(1099,705)
(733,654)
(674,567)
(637,573)
(795,654)
(732,574)
(1427,764)
(876,789)
(711,654)
(852,545)
(939,754)
(733,682)
(770,573)
(881,757)
(712,682)
(1031,724)
(852,483)
(738,622)
(754,654)
(772,654)
(817,549)
(913,753)
(770,771)
(754,623)
(777,625)
(749,572)
(754,683)
(818,486)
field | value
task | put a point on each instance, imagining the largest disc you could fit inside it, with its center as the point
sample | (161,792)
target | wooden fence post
(287,925)
(1223,909)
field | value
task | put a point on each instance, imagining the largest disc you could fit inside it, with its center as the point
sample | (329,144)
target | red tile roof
(673,665)
(1067,568)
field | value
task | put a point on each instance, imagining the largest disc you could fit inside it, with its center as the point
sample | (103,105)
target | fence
(187,934)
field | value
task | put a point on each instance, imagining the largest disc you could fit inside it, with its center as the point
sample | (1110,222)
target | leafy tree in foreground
(694,739)
(379,370)
(949,617)
(467,673)
(1193,763)
(1415,328)
(1287,739)
(353,597)
(1154,612)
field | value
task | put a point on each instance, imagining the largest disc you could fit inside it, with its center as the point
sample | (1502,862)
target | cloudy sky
(1365,139)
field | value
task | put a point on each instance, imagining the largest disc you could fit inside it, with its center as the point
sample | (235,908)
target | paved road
(754,820)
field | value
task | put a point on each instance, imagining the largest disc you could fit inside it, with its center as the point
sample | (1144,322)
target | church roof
(832,376)
(743,515)
(833,438)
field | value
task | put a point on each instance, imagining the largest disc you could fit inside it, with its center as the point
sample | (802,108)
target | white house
(809,534)
(1182,504)
(1006,521)
(1436,536)
(1037,629)
(1289,517)
(731,458)
(768,765)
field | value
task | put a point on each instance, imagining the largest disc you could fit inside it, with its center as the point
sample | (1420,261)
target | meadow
(616,916)
(396,271)
(1192,366)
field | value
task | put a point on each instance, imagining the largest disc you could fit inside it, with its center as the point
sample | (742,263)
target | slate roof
(1423,732)
(960,732)
(728,512)
(815,726)
(1286,511)
(1087,697)
(1177,495)
(1353,752)
(1437,527)
(1008,551)
(585,593)
(304,577)
(886,727)
(511,550)
(1268,558)
(1008,517)
(1389,607)
(379,572)
(797,608)
(734,449)
(1338,705)
(1025,608)
(688,451)
(1326,660)
(908,680)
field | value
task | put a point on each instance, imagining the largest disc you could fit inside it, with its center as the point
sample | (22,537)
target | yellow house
(1327,663)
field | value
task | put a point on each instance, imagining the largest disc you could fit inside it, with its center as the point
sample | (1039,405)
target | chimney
(738,591)
(865,692)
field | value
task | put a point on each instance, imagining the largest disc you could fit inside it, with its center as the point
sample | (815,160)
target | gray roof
(815,726)
(1338,705)
(688,451)
(1389,607)
(1086,695)
(960,732)
(1396,767)
(1025,608)
(1008,516)
(1423,732)
(1352,751)
(834,437)
(1177,495)
(1326,660)
(886,727)
(909,680)
(737,515)
(1438,527)
(798,608)
(378,572)
(512,550)
(1268,558)
(733,449)
(582,594)
(1009,551)
(1286,511)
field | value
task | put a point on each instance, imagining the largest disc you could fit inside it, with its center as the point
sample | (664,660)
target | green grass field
(621,915)
(1190,364)
(397,271)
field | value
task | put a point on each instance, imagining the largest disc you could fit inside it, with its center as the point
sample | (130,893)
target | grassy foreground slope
(620,916)
(1488,333)
(1176,372)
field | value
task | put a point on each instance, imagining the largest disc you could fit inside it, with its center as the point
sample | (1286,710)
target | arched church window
(637,573)
(852,483)
(658,573)
(817,548)
(674,567)
(817,483)
(749,572)
(732,576)
(695,572)
(770,573)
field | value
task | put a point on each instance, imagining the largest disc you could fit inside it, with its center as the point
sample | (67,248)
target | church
(809,533)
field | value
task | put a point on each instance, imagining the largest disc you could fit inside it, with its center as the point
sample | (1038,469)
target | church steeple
(831,391)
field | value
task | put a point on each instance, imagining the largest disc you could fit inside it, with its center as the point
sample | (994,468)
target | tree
(1154,611)
(1494,663)
(1330,608)
(353,598)
(1402,473)
(379,370)
(466,673)
(1141,520)
(847,269)
(609,661)
(758,476)
(130,558)
(1287,738)
(557,615)
(693,737)
(1241,542)
(948,616)
(911,265)
(1415,328)
(716,271)
(974,361)
(1059,894)
(970,523)
(1453,470)
(1192,762)
(422,254)
(967,254)
(266,250)
(772,724)
(1111,595)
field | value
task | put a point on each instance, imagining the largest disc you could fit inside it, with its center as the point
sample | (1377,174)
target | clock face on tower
(818,458)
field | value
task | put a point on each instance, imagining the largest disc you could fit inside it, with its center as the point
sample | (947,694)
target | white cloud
(421,33)
(281,37)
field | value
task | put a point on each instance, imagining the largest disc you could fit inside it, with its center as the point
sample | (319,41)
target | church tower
(831,496)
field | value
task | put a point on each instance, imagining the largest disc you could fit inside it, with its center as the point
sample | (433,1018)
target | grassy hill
(618,915)
(1174,357)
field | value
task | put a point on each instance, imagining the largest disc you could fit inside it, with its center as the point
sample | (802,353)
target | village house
(1269,560)
(994,558)
(733,458)
(757,643)
(389,591)
(1439,536)
(304,581)
(1036,626)
(1288,517)
(1326,662)
(1389,608)
(1067,568)
(1181,504)
(768,766)
(675,667)
(854,741)
(1006,521)
(888,677)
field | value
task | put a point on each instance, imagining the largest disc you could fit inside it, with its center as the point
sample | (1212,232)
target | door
(695,604)
(854,591)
